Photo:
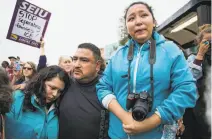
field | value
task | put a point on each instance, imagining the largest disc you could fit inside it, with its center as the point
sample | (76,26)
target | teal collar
(143,47)
(35,101)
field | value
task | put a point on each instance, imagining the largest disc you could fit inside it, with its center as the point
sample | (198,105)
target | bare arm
(139,127)
(42,50)
(42,59)
(117,110)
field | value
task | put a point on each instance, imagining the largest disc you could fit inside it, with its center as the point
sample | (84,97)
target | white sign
(29,23)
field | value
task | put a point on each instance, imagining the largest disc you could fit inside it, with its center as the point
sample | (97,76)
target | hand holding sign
(42,50)
(28,24)
(42,42)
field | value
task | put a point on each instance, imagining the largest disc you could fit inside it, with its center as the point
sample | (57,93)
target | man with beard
(81,115)
(198,119)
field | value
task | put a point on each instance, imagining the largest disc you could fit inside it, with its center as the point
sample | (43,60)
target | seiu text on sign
(33,9)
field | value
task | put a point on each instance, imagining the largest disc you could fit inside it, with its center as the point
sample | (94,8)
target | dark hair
(139,2)
(5,64)
(5,92)
(103,66)
(96,51)
(36,86)
(34,70)
(124,35)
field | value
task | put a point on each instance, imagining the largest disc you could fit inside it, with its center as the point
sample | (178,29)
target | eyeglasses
(25,68)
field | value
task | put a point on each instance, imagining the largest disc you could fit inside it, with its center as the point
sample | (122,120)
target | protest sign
(28,24)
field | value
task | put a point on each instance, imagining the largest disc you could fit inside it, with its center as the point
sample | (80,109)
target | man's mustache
(77,70)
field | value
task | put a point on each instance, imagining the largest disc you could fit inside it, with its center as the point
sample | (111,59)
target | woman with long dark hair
(34,110)
(5,99)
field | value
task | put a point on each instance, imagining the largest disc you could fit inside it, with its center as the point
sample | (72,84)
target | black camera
(140,103)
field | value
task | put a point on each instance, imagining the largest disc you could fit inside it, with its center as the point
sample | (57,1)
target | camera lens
(140,110)
(138,115)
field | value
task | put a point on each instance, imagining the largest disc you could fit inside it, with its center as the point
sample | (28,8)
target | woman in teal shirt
(34,110)
(147,83)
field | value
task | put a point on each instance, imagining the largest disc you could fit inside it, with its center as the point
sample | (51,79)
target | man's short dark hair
(96,51)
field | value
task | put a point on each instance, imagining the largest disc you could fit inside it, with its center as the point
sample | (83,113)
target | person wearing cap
(12,60)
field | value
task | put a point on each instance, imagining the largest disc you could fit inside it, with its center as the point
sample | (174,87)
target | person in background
(8,70)
(81,114)
(18,59)
(17,76)
(29,70)
(147,83)
(5,100)
(5,65)
(34,110)
(65,62)
(198,119)
(12,61)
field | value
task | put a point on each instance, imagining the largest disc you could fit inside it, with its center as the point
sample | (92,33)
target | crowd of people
(147,84)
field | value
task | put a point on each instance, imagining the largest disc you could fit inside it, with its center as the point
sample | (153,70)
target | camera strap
(152,59)
(130,58)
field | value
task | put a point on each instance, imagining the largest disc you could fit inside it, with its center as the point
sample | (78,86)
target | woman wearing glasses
(28,70)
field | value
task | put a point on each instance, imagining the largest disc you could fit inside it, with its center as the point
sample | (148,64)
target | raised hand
(203,48)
